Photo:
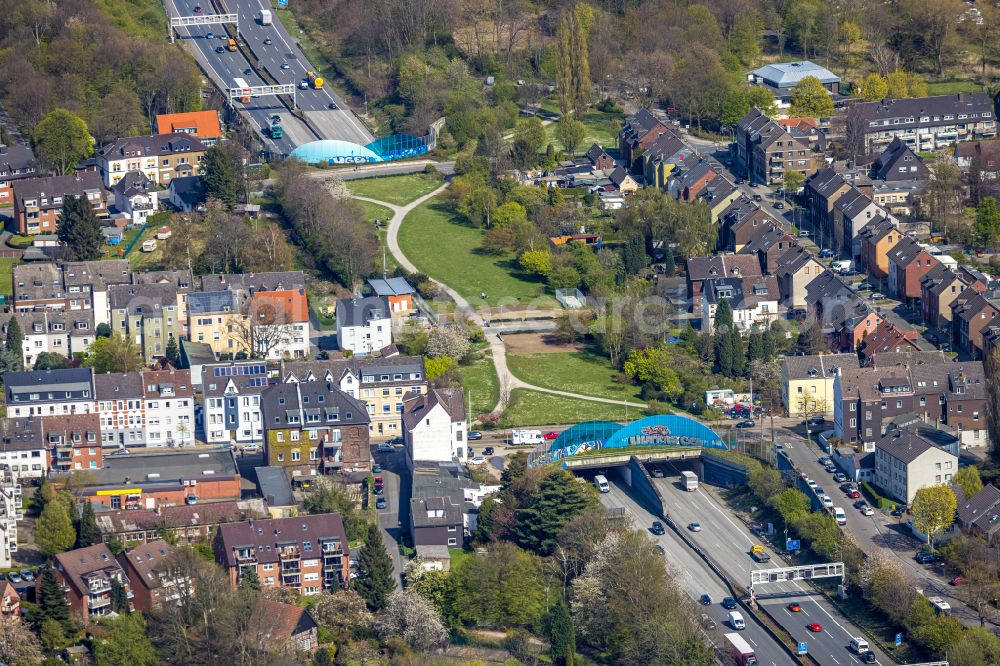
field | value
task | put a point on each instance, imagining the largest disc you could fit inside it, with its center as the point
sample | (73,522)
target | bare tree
(506,388)
(413,618)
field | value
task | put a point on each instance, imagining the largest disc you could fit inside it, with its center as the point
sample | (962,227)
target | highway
(697,579)
(728,541)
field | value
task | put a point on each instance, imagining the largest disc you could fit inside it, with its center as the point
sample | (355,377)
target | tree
(18,645)
(538,262)
(330,496)
(250,580)
(654,365)
(119,598)
(51,361)
(987,224)
(993,402)
(125,642)
(375,575)
(119,353)
(54,531)
(570,133)
(413,618)
(572,60)
(15,342)
(87,532)
(968,479)
(558,499)
(222,172)
(885,583)
(103,330)
(504,586)
(61,140)
(529,141)
(562,635)
(447,342)
(978,647)
(793,182)
(52,604)
(811,339)
(933,510)
(873,88)
(811,99)
(343,613)
(80,229)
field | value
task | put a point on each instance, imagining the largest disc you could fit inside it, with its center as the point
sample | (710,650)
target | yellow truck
(758,553)
(231,45)
(315,80)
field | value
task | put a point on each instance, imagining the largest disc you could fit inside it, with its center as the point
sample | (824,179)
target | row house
(691,178)
(121,409)
(741,221)
(52,331)
(278,324)
(888,337)
(146,312)
(168,396)
(25,449)
(940,287)
(161,158)
(434,427)
(306,554)
(39,285)
(214,319)
(795,271)
(661,158)
(638,132)
(231,409)
(50,392)
(16,162)
(909,262)
(73,441)
(702,269)
(822,190)
(155,577)
(88,576)
(379,383)
(807,382)
(182,524)
(878,238)
(853,212)
(754,301)
(314,428)
(717,195)
(182,281)
(768,246)
(972,312)
(924,123)
(86,285)
(251,283)
(38,202)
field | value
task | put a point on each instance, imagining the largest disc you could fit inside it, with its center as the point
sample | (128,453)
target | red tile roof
(202,124)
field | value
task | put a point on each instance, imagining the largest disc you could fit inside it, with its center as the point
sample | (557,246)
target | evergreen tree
(104,330)
(222,174)
(737,353)
(375,576)
(634,254)
(558,499)
(250,580)
(52,604)
(723,348)
(755,348)
(87,533)
(172,353)
(562,635)
(119,598)
(15,345)
(80,229)
(54,531)
(669,263)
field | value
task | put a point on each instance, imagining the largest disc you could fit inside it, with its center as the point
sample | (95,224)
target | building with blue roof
(787,75)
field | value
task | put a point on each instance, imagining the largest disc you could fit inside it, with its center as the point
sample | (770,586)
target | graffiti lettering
(660,430)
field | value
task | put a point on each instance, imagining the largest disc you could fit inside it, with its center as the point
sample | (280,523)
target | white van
(523,437)
(602,483)
(839,515)
(842,266)
(736,620)
(859,645)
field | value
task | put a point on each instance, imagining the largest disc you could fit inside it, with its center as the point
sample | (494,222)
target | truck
(522,437)
(315,80)
(244,90)
(758,553)
(231,44)
(276,132)
(265,17)
(690,481)
(740,650)
(940,605)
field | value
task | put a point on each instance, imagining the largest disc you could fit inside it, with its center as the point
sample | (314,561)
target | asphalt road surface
(729,541)
(697,579)
(395,517)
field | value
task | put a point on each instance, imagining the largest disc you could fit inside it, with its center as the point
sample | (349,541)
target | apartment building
(187,523)
(10,513)
(308,554)
(121,409)
(905,462)
(767,151)
(147,312)
(38,202)
(807,382)
(73,442)
(203,125)
(278,324)
(434,427)
(16,162)
(136,198)
(51,331)
(168,396)
(231,410)
(23,447)
(379,383)
(87,576)
(924,123)
(50,392)
(181,279)
(214,319)
(155,579)
(39,286)
(314,428)
(161,158)
(364,325)
(86,284)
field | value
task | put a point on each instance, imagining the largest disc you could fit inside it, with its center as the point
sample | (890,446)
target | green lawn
(444,247)
(578,372)
(7,277)
(599,130)
(952,86)
(375,212)
(398,190)
(532,408)
(480,379)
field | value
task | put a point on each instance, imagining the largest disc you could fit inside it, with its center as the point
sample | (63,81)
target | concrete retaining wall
(721,472)
(642,484)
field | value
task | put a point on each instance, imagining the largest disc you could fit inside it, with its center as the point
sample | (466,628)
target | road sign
(803,648)
(899,639)
(793,544)
(282,3)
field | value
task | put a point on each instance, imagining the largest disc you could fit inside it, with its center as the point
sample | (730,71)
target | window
(452,542)
(296,456)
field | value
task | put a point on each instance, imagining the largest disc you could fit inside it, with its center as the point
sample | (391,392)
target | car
(825,460)
(695,527)
(867,511)
(380,502)
(860,504)
(815,627)
(247,448)
(209,35)
(811,483)
(220,49)
(827,254)
(660,549)
(729,603)
(550,435)
(867,657)
(815,421)
(757,197)
(478,460)
(396,441)
(385,447)
(657,528)
(247,72)
(819,491)
(124,452)
(268,41)
(778,205)
(804,234)
(740,181)
(379,490)
(285,65)
(897,512)
(827,501)
(303,85)
(27,574)
(706,600)
(847,487)
(839,477)
(876,296)
(865,286)
(332,106)
(197,9)
(657,472)
(746,424)
(14,577)
(853,494)
(831,468)
(488,451)
(794,607)
(923,557)
(376,468)
(474,435)
(275,119)
(958,580)
(379,481)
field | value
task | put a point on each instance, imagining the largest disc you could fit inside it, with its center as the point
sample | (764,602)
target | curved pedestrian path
(507,380)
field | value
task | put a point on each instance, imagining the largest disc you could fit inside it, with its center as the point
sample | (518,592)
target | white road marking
(834,658)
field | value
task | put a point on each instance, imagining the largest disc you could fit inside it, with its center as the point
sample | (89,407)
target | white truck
(265,17)
(690,481)
(523,437)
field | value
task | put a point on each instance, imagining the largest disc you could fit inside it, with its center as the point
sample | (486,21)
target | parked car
(819,491)
(847,487)
(853,494)
(379,490)
(247,448)
(488,451)
(897,512)
(396,441)
(14,577)
(876,296)
(380,502)
(657,528)
(865,286)
(804,234)
(478,460)
(746,424)
(385,447)
(706,600)
(831,468)
(379,481)
(28,575)
(779,205)
(825,460)
(815,421)
(860,504)
(867,511)
(923,557)
(124,452)
(757,197)
(827,501)
(550,435)
(839,476)
(827,254)
(958,580)
(376,468)
(474,435)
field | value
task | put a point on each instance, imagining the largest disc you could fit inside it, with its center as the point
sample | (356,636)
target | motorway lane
(339,123)
(696,579)
(225,68)
(728,542)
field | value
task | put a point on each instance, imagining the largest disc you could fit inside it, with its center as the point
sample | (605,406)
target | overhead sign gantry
(201,19)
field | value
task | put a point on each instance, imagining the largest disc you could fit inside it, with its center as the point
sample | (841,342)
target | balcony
(99,586)
(101,601)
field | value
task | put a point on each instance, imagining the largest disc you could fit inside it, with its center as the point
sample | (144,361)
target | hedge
(875,498)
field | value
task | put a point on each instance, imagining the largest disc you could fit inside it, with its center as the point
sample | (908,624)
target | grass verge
(602,129)
(533,408)
(398,190)
(480,380)
(7,277)
(578,372)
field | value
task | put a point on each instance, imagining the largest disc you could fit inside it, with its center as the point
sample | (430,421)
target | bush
(489,419)
(607,105)
(872,495)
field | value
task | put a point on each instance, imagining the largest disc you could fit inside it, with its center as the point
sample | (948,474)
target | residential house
(121,408)
(434,426)
(24,448)
(185,523)
(717,195)
(397,292)
(702,269)
(86,285)
(940,287)
(53,332)
(231,408)
(851,213)
(899,162)
(768,247)
(379,383)
(38,202)
(314,428)
(981,156)
(38,285)
(146,312)
(661,158)
(924,123)
(251,283)
(795,269)
(136,197)
(169,404)
(599,158)
(308,554)
(202,125)
(688,180)
(767,151)
(10,601)
(364,325)
(156,579)
(214,318)
(844,316)
(49,392)
(282,629)
(980,514)
(906,462)
(436,521)
(909,262)
(10,512)
(16,162)
(622,181)
(274,486)
(822,190)
(899,197)
(754,301)
(878,238)
(743,226)
(887,337)
(780,79)
(180,279)
(161,157)
(277,324)
(638,132)
(88,575)
(186,193)
(807,382)
(73,442)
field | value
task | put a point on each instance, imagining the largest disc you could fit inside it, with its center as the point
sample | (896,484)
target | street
(395,518)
